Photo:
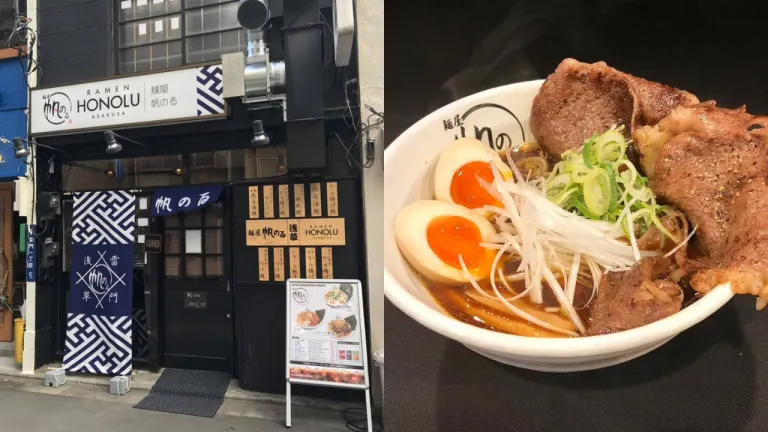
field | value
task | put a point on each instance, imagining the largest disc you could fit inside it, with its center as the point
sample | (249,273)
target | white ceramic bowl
(500,116)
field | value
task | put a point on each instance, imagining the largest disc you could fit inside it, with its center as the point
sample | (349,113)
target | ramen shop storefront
(207,288)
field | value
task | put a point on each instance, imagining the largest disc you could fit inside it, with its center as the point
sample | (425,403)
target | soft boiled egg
(460,166)
(432,234)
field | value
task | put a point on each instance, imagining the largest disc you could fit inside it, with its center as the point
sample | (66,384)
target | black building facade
(313,130)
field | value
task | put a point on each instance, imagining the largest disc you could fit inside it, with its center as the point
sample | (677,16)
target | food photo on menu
(325,343)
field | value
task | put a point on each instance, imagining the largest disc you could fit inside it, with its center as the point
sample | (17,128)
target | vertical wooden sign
(310,262)
(283,199)
(294,258)
(269,202)
(263,265)
(279,265)
(298,201)
(332,198)
(326,258)
(253,202)
(315,199)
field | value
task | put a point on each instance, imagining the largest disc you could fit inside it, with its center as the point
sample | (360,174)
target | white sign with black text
(185,94)
(325,331)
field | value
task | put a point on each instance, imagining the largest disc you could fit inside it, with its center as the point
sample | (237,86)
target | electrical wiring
(363,135)
(359,422)
(27,38)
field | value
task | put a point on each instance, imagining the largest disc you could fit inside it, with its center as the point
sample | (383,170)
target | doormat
(189,392)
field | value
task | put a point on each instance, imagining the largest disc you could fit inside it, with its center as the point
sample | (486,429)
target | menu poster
(326,333)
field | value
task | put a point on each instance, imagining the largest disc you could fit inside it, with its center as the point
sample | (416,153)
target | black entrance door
(196,297)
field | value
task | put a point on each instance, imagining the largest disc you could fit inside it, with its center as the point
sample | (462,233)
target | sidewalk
(320,415)
(25,411)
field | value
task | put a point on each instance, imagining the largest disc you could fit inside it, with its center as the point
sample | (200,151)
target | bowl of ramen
(340,328)
(549,225)
(336,298)
(308,319)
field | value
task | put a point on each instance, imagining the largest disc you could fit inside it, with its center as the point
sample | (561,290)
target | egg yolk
(451,236)
(467,191)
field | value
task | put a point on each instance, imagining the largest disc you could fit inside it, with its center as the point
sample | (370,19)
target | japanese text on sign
(31,263)
(174,200)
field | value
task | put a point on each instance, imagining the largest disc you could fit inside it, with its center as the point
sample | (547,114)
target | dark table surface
(713,377)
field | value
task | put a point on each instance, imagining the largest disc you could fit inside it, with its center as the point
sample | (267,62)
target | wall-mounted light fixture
(114,146)
(109,172)
(260,139)
(178,171)
(21,151)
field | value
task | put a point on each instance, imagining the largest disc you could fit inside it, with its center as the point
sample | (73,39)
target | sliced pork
(581,99)
(744,262)
(697,159)
(711,163)
(635,298)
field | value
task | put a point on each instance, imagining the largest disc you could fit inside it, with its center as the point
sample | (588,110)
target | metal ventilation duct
(262,79)
(253,14)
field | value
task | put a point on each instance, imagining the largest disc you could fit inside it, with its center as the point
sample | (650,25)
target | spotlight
(109,172)
(112,145)
(19,149)
(260,139)
(178,171)
(22,151)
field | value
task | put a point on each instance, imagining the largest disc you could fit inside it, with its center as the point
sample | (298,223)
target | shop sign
(174,200)
(31,263)
(296,232)
(195,300)
(185,94)
(153,243)
(326,333)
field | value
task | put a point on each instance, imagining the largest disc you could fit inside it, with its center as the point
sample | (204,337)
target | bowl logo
(57,108)
(491,123)
(300,295)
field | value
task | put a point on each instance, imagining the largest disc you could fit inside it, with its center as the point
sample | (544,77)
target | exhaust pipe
(262,77)
(253,14)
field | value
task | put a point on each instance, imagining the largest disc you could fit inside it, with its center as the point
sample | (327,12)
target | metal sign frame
(363,336)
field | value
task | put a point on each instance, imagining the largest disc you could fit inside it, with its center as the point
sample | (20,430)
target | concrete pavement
(28,406)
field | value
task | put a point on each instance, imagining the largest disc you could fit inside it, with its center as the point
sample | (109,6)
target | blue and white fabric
(100,318)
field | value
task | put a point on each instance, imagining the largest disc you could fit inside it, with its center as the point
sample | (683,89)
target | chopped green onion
(598,181)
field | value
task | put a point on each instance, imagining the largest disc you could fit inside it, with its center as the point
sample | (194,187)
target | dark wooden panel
(198,336)
(76,17)
(73,69)
(261,305)
(92,40)
(43,5)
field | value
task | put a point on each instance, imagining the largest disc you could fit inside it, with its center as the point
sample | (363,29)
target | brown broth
(458,302)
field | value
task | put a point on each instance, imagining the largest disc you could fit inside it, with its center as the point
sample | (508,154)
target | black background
(712,377)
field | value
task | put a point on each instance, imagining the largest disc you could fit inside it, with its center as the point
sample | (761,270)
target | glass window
(191,249)
(158,34)
(174,170)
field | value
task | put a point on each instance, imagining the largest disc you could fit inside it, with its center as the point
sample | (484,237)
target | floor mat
(190,392)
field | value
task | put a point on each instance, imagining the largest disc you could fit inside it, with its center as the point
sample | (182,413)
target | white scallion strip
(571,288)
(681,244)
(522,314)
(547,240)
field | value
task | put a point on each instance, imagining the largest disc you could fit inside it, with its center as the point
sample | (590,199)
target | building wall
(370,49)
(13,118)
(76,40)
